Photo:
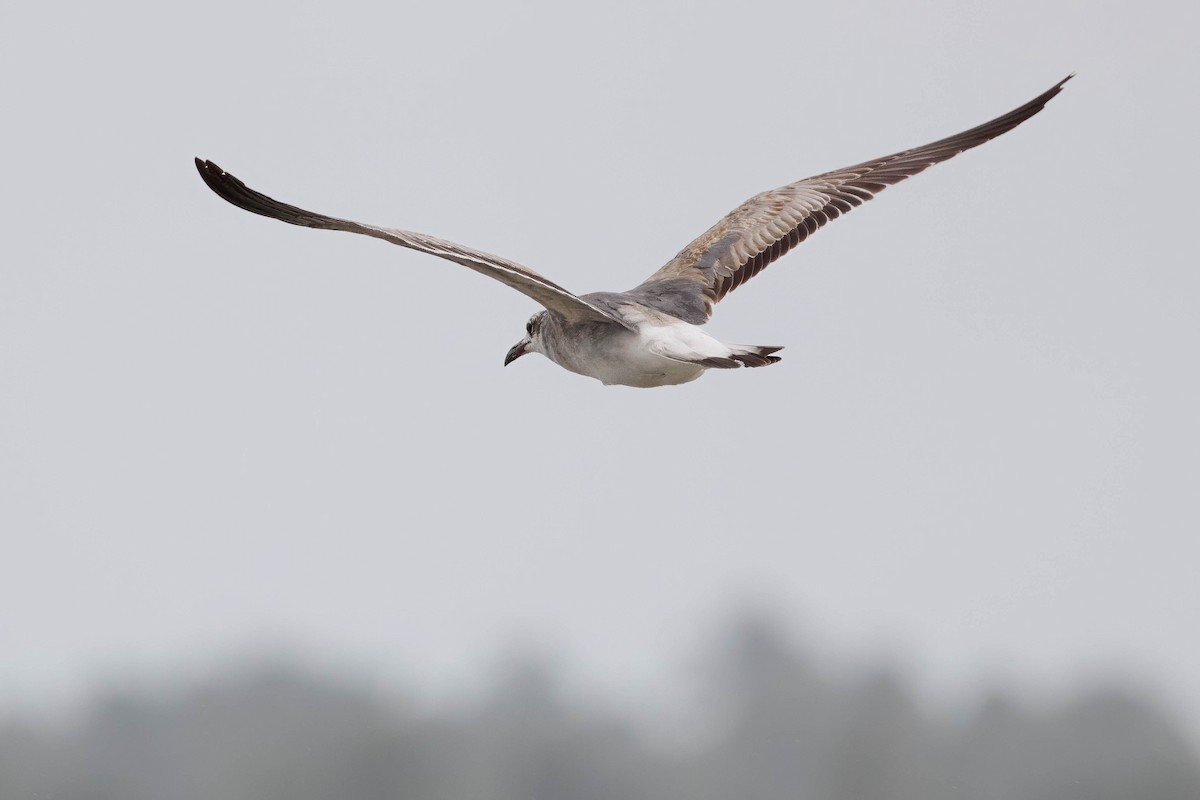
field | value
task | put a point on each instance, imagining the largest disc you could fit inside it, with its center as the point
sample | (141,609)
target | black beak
(517,351)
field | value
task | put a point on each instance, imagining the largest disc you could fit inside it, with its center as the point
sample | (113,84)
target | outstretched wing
(769,224)
(555,298)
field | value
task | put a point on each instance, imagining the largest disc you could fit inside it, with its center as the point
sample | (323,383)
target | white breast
(657,354)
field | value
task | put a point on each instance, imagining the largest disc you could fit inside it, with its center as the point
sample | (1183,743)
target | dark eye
(529,327)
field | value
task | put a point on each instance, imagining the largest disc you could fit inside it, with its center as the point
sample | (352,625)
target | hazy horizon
(767,715)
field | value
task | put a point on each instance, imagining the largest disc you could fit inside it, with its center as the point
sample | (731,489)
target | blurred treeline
(768,724)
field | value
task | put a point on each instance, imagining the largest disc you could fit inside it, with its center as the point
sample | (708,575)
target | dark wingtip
(1039,102)
(1058,86)
(229,188)
(213,175)
(203,166)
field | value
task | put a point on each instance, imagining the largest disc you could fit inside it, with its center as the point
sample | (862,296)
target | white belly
(658,354)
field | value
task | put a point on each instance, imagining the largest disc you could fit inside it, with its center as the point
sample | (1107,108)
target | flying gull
(650,335)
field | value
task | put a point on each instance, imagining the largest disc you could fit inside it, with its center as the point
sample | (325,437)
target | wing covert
(549,294)
(768,225)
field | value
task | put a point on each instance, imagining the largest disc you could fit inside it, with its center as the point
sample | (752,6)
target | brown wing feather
(554,297)
(770,224)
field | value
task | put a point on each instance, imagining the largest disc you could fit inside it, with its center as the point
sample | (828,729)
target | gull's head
(532,343)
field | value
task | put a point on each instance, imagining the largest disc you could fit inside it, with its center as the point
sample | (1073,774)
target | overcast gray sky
(218,431)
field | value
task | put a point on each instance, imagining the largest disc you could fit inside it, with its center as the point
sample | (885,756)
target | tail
(744,356)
